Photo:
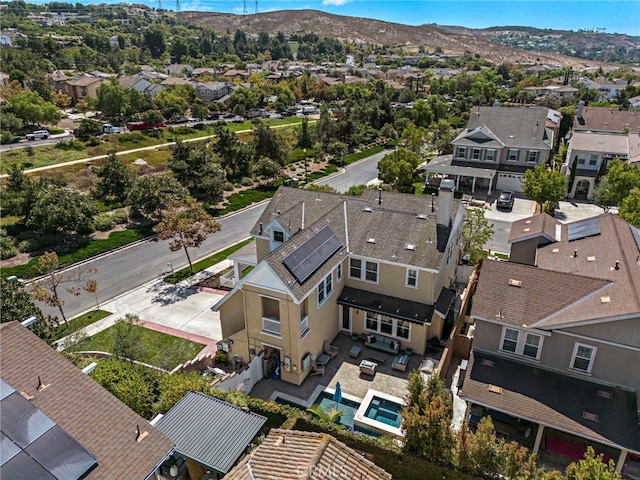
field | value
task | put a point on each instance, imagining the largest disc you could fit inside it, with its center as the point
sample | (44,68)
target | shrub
(93,142)
(246,182)
(132,137)
(104,222)
(26,246)
(228,187)
(120,217)
(70,145)
(154,134)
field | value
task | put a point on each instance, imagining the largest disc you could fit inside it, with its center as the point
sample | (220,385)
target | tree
(592,467)
(187,224)
(114,180)
(305,139)
(48,289)
(33,109)
(396,170)
(89,126)
(329,415)
(194,167)
(170,103)
(61,211)
(622,178)
(151,194)
(267,143)
(174,387)
(112,98)
(630,207)
(476,232)
(267,168)
(544,186)
(127,338)
(16,304)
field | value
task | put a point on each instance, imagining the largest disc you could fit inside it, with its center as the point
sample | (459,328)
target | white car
(38,135)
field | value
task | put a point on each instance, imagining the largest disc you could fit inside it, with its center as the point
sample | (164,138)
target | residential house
(81,87)
(57,422)
(235,75)
(605,120)
(383,263)
(204,72)
(140,84)
(5,79)
(606,88)
(211,435)
(556,344)
(293,454)
(498,146)
(213,91)
(591,153)
(114,42)
(178,69)
(57,78)
(556,91)
(179,81)
(9,36)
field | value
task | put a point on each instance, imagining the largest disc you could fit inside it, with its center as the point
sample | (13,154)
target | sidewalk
(178,310)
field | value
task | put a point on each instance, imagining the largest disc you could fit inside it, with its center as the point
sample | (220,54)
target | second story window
(355,268)
(583,357)
(521,343)
(371,272)
(462,151)
(278,236)
(339,271)
(412,278)
(593,160)
(533,157)
(475,154)
(325,287)
(513,155)
(491,155)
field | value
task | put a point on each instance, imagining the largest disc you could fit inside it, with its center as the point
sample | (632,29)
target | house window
(475,154)
(402,329)
(355,268)
(528,344)
(278,236)
(593,160)
(491,155)
(339,271)
(513,155)
(386,325)
(412,278)
(325,287)
(581,161)
(533,157)
(510,340)
(583,356)
(371,273)
(371,321)
(462,151)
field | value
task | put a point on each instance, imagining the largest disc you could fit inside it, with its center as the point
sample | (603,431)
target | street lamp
(304,152)
(170,266)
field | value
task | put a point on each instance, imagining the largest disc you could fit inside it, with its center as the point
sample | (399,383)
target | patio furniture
(400,363)
(382,343)
(323,359)
(378,357)
(329,349)
(368,368)
(316,368)
(355,351)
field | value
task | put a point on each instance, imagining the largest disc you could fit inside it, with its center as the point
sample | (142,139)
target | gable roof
(210,431)
(90,414)
(542,225)
(292,454)
(606,120)
(516,127)
(600,142)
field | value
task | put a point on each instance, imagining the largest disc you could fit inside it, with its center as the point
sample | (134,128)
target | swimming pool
(385,411)
(380,412)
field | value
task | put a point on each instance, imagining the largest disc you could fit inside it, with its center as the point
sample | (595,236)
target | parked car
(181,120)
(38,135)
(213,116)
(505,200)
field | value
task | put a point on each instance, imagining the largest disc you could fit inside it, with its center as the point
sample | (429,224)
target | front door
(345,319)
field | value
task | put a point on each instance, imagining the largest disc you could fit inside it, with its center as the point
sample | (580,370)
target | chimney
(579,110)
(260,231)
(575,253)
(617,267)
(445,201)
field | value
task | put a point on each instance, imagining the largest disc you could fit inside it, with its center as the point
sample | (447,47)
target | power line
(244,9)
(256,6)
(177,5)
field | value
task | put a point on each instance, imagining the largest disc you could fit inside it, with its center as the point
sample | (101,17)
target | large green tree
(622,178)
(187,224)
(112,98)
(396,170)
(630,207)
(544,185)
(267,143)
(32,109)
(59,210)
(16,304)
(114,181)
(476,232)
(151,194)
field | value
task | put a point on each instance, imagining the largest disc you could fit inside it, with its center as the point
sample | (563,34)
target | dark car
(505,200)
(182,120)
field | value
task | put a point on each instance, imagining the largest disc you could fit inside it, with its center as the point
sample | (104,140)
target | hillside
(452,40)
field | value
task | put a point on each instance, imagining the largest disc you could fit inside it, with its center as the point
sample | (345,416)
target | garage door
(509,181)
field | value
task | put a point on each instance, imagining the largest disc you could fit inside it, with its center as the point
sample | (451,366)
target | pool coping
(360,416)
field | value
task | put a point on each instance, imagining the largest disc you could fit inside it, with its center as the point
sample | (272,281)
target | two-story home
(498,146)
(383,263)
(81,87)
(591,153)
(212,91)
(556,347)
(605,120)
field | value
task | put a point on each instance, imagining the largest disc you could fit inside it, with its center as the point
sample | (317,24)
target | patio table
(323,359)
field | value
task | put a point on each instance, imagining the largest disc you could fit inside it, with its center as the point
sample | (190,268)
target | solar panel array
(312,254)
(635,231)
(33,446)
(583,229)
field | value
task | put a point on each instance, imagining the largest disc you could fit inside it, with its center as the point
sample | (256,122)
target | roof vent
(495,389)
(528,222)
(605,394)
(367,209)
(371,240)
(592,258)
(590,416)
(421,216)
(410,246)
(606,299)
(617,267)
(555,250)
(515,283)
(488,363)
(527,229)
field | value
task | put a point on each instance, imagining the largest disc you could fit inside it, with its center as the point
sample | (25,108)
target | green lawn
(43,156)
(205,263)
(78,323)
(157,346)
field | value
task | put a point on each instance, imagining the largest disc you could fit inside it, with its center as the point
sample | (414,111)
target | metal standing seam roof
(210,431)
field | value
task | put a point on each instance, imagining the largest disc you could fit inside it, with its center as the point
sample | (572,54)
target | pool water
(325,400)
(384,411)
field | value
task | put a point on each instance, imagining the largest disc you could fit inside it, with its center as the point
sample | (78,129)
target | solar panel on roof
(8,449)
(312,254)
(583,229)
(21,421)
(635,231)
(5,389)
(23,466)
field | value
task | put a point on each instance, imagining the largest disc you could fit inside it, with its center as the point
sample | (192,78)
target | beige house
(82,87)
(557,339)
(383,263)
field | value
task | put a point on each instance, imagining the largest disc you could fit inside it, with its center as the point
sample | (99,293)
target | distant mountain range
(510,44)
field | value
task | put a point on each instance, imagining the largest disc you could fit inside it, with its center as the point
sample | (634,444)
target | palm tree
(330,415)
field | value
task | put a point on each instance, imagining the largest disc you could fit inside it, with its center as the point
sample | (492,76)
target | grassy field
(80,322)
(157,347)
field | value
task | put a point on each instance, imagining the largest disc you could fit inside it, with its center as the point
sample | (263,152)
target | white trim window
(371,272)
(583,357)
(412,278)
(491,155)
(389,326)
(363,270)
(371,321)
(533,156)
(355,268)
(339,272)
(512,155)
(475,153)
(325,287)
(528,344)
(461,152)
(593,160)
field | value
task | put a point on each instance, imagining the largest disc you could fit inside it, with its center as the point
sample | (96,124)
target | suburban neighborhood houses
(282,246)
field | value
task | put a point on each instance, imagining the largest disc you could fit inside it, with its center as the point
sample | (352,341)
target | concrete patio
(344,369)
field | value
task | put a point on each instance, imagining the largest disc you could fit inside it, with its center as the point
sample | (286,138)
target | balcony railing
(304,326)
(271,325)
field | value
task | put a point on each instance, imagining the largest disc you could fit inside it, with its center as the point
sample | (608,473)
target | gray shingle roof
(553,399)
(409,310)
(210,431)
